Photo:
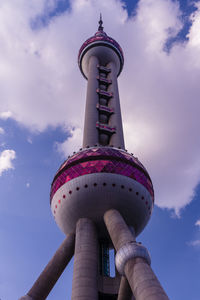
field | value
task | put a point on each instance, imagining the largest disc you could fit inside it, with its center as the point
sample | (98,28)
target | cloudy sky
(41,121)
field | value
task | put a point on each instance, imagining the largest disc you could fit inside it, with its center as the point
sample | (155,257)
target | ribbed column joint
(129,251)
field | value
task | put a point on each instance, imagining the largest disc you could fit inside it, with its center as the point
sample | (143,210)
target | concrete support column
(85,273)
(117,228)
(91,135)
(142,280)
(47,279)
(125,292)
(117,139)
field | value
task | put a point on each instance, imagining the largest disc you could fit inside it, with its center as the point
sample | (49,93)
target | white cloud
(29,140)
(159,91)
(197,223)
(6,158)
(162,113)
(72,143)
(4,115)
(28,184)
(194,38)
(2,131)
(195,243)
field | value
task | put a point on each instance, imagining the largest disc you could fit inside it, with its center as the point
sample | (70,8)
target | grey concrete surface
(85,273)
(125,292)
(143,281)
(117,228)
(91,135)
(47,279)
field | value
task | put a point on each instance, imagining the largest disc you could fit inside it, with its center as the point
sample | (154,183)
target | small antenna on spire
(100,23)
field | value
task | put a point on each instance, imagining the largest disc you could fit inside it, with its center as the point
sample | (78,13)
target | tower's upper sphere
(97,179)
(105,48)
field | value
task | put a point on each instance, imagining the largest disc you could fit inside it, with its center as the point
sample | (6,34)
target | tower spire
(100,23)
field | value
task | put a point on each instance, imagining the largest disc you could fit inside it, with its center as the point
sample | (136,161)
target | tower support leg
(47,279)
(142,280)
(125,292)
(85,272)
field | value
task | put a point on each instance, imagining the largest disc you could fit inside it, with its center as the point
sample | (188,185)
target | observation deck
(97,179)
(102,160)
(100,38)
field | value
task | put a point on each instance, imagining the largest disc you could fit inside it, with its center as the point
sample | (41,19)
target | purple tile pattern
(104,93)
(104,69)
(102,160)
(105,127)
(104,80)
(99,38)
(107,109)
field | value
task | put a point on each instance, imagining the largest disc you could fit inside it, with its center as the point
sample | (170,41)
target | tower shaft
(94,188)
(117,139)
(103,121)
(90,136)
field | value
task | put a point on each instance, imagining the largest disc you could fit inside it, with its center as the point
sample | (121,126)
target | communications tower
(102,196)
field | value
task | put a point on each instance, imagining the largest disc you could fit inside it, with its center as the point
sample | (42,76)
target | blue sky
(41,120)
